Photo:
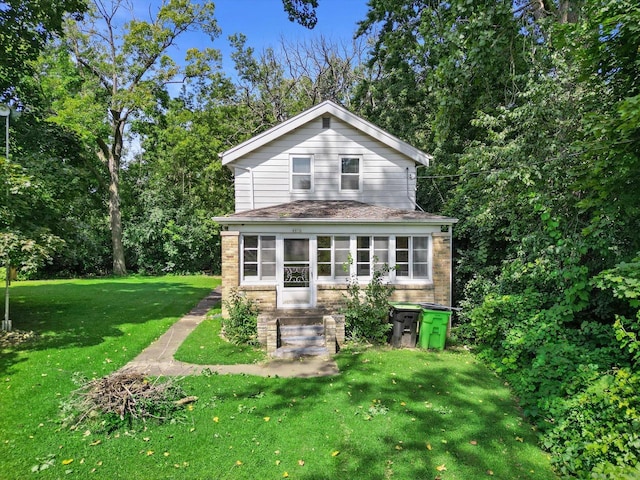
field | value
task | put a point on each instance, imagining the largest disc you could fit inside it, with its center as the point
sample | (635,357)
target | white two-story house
(325,196)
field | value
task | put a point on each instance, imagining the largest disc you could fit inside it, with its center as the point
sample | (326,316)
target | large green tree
(126,66)
(25,28)
(178,185)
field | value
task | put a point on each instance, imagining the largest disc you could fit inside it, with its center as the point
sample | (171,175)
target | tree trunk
(111,157)
(115,218)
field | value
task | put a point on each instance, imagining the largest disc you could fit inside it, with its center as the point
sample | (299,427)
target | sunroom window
(332,256)
(412,257)
(259,257)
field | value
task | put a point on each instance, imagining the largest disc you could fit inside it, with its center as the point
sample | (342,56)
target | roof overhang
(325,108)
(332,212)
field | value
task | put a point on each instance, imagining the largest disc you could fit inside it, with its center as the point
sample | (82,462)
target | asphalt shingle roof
(336,210)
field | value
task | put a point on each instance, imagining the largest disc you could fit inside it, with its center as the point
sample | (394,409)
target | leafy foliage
(366,310)
(241,324)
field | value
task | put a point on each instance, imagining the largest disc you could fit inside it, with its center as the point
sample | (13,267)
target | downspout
(253,205)
(415,204)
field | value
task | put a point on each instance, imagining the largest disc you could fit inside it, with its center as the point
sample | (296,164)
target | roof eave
(398,221)
(343,114)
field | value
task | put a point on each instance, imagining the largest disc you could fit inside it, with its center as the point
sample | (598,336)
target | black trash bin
(404,317)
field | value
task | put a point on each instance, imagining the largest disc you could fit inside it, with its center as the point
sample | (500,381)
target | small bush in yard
(241,326)
(366,310)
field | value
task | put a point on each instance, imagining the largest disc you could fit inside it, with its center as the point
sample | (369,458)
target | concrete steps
(298,339)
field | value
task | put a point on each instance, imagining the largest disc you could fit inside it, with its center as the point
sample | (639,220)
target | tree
(179,184)
(25,28)
(127,66)
(283,81)
(302,11)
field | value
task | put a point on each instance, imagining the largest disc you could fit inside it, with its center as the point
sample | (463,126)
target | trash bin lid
(405,306)
(434,306)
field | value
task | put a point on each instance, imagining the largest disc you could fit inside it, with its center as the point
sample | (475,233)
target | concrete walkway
(157,359)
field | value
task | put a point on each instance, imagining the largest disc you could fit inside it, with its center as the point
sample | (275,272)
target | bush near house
(241,325)
(366,310)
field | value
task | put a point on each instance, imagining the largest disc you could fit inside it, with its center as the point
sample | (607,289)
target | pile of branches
(16,337)
(125,397)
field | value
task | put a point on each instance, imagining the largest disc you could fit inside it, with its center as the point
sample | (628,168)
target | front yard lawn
(404,414)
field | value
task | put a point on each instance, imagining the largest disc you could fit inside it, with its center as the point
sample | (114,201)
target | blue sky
(264,23)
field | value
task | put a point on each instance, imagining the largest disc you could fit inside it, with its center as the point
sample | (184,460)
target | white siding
(386,180)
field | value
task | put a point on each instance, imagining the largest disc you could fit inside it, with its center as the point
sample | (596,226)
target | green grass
(375,420)
(205,346)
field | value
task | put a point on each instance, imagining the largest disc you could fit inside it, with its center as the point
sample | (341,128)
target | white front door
(295,284)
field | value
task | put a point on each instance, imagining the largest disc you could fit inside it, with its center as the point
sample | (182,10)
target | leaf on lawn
(429,447)
(266,419)
(238,463)
(285,475)
(404,404)
(473,442)
(278,462)
(489,472)
(335,453)
(95,442)
(146,439)
(67,461)
(301,463)
(166,454)
(520,439)
(441,468)
(398,447)
(216,419)
(149,453)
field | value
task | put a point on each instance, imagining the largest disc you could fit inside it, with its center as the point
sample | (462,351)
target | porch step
(301,331)
(300,340)
(297,352)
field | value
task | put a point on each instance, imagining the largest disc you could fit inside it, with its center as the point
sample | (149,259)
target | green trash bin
(433,328)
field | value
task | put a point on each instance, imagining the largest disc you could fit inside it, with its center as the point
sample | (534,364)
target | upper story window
(301,168)
(350,174)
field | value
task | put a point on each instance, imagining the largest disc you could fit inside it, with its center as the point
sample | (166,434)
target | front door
(296,277)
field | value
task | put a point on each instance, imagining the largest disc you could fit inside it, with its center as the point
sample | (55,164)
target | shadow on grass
(463,411)
(85,313)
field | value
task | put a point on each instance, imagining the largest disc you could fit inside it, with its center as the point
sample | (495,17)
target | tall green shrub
(366,310)
(241,325)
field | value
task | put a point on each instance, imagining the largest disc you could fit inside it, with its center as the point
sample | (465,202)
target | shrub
(366,310)
(241,325)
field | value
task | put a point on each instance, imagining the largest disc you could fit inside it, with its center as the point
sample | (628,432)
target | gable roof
(333,211)
(324,108)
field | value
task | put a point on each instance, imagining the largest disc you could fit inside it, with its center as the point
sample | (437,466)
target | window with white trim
(332,255)
(301,168)
(363,256)
(350,169)
(258,257)
(412,257)
(372,253)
